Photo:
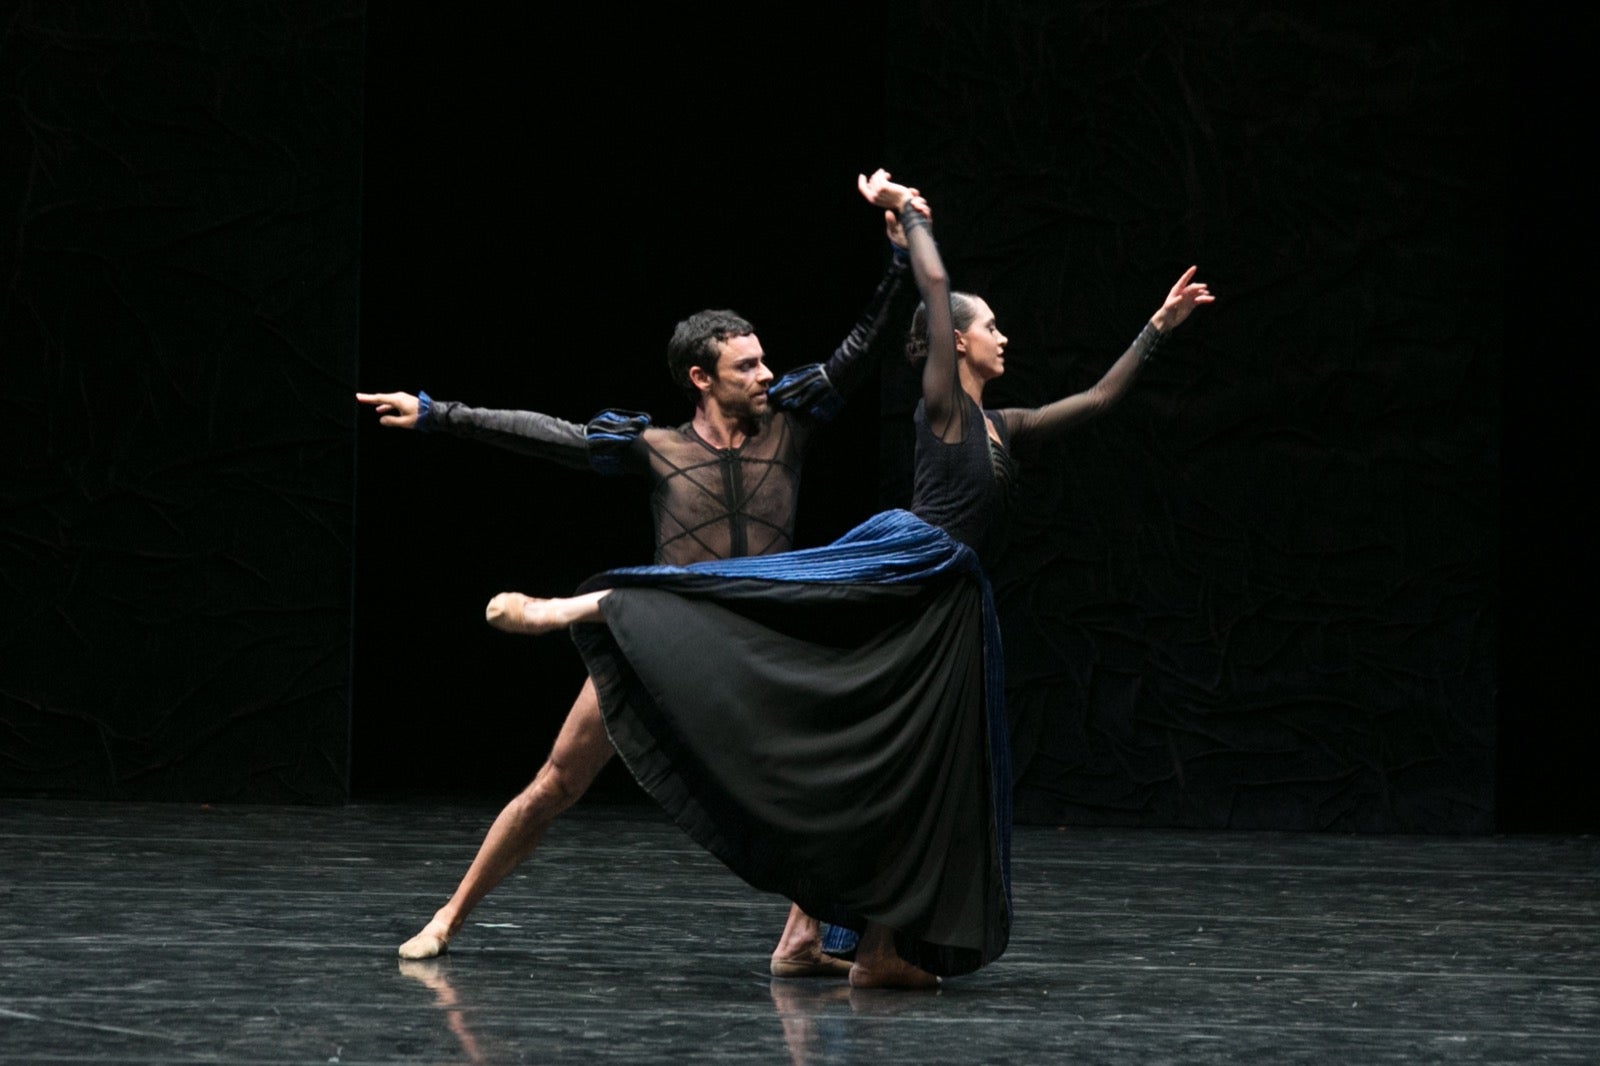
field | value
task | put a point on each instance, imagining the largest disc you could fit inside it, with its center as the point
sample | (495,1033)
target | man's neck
(720,429)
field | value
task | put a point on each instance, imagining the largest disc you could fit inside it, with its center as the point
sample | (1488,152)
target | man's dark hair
(695,342)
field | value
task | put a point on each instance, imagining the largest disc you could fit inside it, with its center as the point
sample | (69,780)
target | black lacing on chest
(737,478)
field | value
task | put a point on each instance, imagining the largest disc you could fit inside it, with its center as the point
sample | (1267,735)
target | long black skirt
(826,724)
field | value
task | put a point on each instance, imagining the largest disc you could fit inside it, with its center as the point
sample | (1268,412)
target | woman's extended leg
(516,613)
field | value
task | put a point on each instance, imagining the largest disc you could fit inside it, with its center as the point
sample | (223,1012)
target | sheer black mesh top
(706,502)
(716,503)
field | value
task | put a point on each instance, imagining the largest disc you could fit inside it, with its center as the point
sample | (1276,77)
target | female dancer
(964,465)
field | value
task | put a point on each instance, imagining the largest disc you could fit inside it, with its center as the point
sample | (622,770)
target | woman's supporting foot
(430,943)
(799,951)
(816,964)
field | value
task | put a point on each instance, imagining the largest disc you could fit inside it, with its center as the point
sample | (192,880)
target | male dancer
(725,484)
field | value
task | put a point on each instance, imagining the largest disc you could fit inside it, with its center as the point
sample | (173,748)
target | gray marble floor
(140,933)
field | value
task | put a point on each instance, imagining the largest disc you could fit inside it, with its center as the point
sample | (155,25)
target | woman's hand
(882,192)
(1185,296)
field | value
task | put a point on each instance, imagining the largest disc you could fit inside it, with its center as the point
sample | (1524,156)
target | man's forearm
(528,433)
(845,368)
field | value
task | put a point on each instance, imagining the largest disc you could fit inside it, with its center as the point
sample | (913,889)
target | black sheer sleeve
(846,366)
(818,391)
(524,432)
(941,386)
(1033,425)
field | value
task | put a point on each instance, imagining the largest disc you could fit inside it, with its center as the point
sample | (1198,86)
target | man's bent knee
(553,791)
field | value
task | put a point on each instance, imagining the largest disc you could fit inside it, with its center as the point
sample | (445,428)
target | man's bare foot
(429,971)
(428,944)
(515,613)
(891,973)
(878,965)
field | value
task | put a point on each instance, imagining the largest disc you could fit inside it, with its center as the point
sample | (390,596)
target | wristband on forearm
(1148,340)
(911,218)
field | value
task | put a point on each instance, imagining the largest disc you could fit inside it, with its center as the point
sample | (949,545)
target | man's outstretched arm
(819,389)
(524,432)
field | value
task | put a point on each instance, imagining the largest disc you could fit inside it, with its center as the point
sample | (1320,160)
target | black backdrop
(1265,592)
(182,190)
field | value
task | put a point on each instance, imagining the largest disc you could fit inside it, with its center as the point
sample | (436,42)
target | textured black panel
(181,183)
(1263,591)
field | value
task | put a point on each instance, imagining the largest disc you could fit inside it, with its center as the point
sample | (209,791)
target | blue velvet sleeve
(807,391)
(614,437)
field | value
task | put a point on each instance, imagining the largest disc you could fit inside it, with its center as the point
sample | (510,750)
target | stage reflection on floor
(136,933)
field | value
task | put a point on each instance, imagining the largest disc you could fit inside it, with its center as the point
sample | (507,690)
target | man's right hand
(398,409)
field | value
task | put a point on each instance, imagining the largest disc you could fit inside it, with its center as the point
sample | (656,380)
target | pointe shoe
(822,966)
(428,944)
(509,612)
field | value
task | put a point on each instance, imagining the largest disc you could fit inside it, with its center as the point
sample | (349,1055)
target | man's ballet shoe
(428,944)
(904,976)
(822,966)
(429,971)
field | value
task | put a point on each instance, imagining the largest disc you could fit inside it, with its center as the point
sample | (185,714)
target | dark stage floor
(161,934)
